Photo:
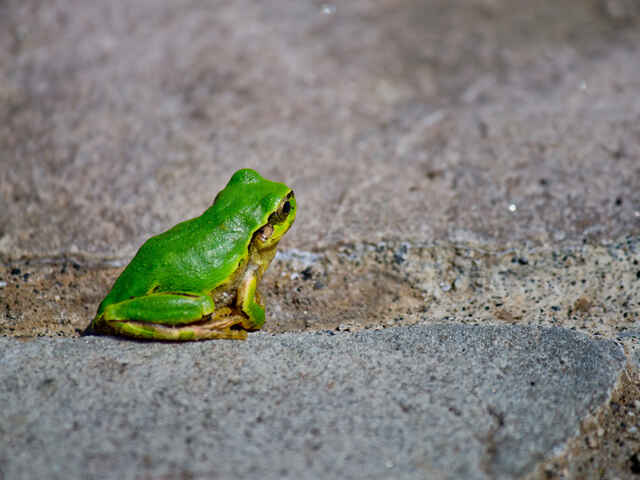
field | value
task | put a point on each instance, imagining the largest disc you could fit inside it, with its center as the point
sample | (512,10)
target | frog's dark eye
(286,208)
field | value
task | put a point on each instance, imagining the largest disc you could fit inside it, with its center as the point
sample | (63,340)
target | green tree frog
(199,279)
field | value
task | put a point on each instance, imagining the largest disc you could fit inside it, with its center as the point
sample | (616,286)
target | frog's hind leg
(169,316)
(171,309)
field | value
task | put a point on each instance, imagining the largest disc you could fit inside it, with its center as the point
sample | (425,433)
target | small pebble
(307,273)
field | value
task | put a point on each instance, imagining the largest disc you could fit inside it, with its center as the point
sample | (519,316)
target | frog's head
(278,222)
(269,207)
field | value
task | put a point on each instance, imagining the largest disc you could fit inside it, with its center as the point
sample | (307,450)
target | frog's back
(181,259)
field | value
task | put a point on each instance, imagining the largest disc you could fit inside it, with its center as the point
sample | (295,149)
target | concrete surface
(456,163)
(415,402)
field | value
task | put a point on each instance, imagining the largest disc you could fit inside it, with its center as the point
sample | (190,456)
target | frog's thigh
(248,302)
(164,308)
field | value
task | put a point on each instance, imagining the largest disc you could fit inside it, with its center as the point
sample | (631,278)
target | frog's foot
(222,318)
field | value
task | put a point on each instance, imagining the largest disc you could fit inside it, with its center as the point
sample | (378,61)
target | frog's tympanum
(199,279)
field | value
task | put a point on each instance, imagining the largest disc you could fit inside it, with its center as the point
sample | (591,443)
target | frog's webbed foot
(224,317)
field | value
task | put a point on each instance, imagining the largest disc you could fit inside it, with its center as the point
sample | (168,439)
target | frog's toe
(224,318)
(200,333)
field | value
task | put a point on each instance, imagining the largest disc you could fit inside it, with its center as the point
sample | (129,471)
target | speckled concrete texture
(441,401)
(473,165)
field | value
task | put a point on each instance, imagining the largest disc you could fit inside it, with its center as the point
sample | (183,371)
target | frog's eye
(286,206)
(282,213)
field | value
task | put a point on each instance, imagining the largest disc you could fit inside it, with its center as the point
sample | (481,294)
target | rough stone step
(440,401)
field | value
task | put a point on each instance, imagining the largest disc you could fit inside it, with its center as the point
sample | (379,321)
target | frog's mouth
(265,233)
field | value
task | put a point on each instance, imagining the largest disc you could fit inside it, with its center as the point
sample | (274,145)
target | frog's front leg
(249,300)
(169,316)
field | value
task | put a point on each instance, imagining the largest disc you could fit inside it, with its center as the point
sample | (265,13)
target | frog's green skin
(199,279)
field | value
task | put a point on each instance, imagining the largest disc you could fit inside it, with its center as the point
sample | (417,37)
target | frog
(199,280)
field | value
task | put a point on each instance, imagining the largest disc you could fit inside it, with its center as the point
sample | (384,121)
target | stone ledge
(449,401)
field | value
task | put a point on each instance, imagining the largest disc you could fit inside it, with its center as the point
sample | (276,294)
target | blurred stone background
(392,119)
